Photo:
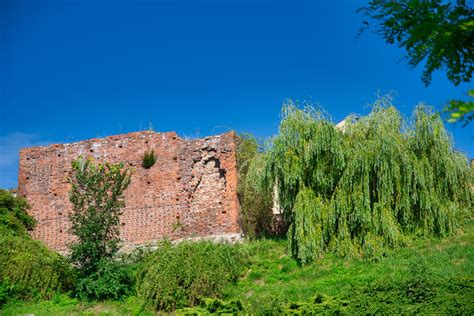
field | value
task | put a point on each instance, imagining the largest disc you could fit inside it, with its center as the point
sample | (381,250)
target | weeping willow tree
(365,187)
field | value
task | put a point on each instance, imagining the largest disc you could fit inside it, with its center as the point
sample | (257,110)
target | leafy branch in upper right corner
(438,33)
(461,111)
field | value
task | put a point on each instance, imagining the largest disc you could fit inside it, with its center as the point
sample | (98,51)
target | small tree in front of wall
(97,200)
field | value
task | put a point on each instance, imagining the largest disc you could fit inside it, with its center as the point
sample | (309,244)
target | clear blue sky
(73,70)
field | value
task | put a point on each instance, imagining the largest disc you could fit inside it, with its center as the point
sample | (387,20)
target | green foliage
(7,291)
(112,280)
(27,268)
(13,214)
(255,200)
(418,294)
(65,305)
(428,276)
(176,276)
(439,32)
(306,240)
(363,189)
(305,162)
(30,270)
(461,111)
(97,197)
(212,306)
(320,304)
(148,159)
(247,149)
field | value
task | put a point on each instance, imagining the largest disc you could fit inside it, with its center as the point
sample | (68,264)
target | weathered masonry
(191,190)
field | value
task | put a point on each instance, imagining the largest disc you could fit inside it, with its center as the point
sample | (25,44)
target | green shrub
(112,280)
(148,159)
(213,306)
(176,276)
(7,291)
(255,201)
(13,214)
(30,270)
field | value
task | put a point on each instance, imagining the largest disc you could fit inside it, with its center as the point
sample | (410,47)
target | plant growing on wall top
(148,159)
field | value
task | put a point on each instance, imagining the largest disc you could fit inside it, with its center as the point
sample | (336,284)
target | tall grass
(175,276)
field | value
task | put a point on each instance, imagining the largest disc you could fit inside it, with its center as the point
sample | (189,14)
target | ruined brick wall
(193,183)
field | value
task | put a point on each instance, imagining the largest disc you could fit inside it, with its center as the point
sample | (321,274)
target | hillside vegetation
(429,276)
(380,217)
(28,269)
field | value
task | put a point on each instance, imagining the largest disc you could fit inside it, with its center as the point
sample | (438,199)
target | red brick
(195,180)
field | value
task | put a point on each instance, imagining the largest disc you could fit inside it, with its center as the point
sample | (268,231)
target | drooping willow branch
(363,189)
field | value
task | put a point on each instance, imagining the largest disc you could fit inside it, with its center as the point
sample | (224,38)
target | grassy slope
(274,278)
(427,276)
(63,305)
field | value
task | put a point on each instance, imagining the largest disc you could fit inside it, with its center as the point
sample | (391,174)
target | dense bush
(28,269)
(112,280)
(176,276)
(213,306)
(13,214)
(255,201)
(361,189)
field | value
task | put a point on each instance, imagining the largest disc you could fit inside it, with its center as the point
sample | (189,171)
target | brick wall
(193,182)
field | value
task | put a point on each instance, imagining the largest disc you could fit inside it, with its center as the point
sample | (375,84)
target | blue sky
(73,70)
